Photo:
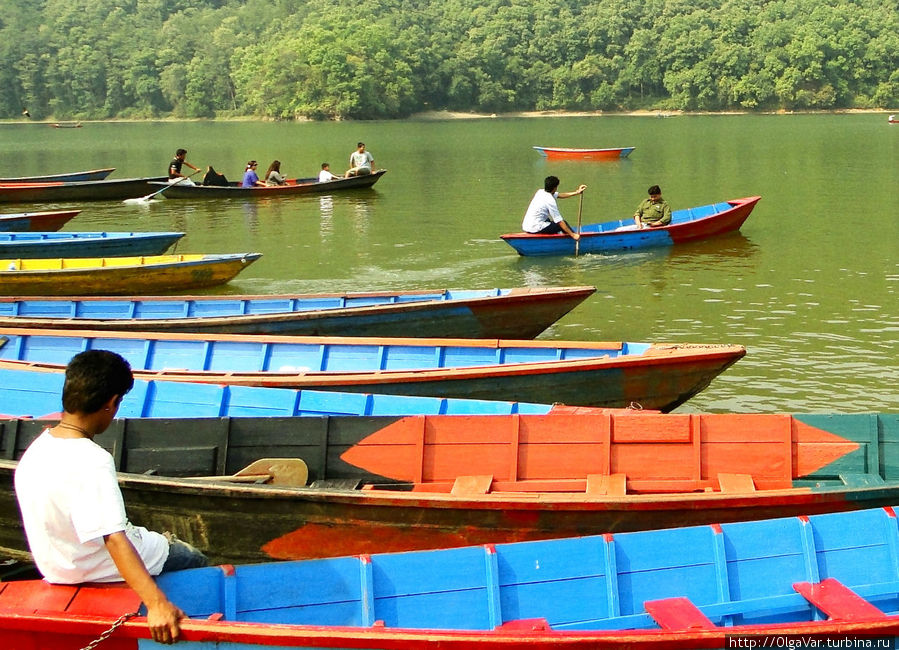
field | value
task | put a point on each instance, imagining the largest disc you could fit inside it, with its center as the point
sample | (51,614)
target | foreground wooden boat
(606,374)
(495,313)
(105,190)
(686,225)
(293,186)
(812,578)
(33,245)
(68,177)
(397,484)
(562,153)
(36,221)
(113,276)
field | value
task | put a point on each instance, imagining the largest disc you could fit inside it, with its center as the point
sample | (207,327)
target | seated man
(361,162)
(542,216)
(72,507)
(653,212)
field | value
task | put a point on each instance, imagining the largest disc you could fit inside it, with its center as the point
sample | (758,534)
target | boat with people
(30,245)
(291,187)
(66,177)
(893,119)
(689,224)
(562,153)
(521,312)
(112,276)
(104,190)
(49,221)
(612,374)
(413,482)
(821,579)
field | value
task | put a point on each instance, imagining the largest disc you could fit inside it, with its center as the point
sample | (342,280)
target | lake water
(809,286)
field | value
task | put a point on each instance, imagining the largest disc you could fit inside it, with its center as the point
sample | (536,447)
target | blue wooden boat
(604,374)
(105,190)
(292,187)
(35,245)
(25,393)
(686,225)
(809,579)
(522,313)
(36,221)
(68,177)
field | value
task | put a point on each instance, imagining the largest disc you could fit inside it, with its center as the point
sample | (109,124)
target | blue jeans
(182,555)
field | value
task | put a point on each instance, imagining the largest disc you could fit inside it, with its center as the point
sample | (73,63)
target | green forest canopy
(331,59)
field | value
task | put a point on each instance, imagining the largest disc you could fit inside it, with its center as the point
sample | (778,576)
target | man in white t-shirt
(542,216)
(72,506)
(325,174)
(361,162)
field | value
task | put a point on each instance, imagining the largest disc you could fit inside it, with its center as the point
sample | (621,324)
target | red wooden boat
(424,482)
(36,221)
(561,153)
(825,581)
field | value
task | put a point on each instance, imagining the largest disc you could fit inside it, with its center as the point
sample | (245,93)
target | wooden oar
(271,471)
(145,199)
(577,242)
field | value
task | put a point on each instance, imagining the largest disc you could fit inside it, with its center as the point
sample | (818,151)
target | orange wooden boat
(561,153)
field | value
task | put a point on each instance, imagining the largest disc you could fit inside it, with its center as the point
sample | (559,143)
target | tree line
(367,59)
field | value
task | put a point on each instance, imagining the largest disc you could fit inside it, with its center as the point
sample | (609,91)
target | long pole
(577,242)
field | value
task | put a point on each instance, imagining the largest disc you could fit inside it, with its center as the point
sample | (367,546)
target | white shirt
(69,497)
(542,211)
(361,159)
(324,176)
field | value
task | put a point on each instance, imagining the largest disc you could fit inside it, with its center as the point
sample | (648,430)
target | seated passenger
(212,177)
(250,179)
(273,176)
(325,174)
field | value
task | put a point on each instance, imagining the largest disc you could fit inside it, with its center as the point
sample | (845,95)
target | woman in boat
(250,179)
(72,506)
(273,176)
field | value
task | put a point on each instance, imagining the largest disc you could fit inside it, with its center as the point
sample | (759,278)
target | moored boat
(292,187)
(686,225)
(109,276)
(563,153)
(31,245)
(67,177)
(605,374)
(495,313)
(36,221)
(407,483)
(105,190)
(822,579)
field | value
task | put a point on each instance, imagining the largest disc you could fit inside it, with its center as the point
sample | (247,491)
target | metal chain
(112,628)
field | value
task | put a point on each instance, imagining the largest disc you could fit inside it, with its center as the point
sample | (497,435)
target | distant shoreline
(427,116)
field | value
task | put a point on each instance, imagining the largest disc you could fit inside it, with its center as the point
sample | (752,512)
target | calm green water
(809,286)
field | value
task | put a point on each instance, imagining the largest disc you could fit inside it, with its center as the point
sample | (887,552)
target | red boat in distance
(36,221)
(561,153)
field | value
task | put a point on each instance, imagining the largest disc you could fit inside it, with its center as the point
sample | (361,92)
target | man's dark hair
(655,189)
(181,152)
(92,378)
(360,144)
(550,184)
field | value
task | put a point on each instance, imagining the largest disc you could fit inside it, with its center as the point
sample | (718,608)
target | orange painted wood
(607,485)
(677,614)
(838,601)
(469,485)
(736,483)
(526,625)
(656,452)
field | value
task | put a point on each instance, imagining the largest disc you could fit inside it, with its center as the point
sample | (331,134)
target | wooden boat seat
(837,600)
(677,614)
(861,479)
(736,483)
(471,485)
(614,485)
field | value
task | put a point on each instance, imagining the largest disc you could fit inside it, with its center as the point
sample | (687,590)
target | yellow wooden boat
(114,276)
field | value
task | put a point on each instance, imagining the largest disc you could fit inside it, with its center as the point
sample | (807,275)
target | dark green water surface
(810,285)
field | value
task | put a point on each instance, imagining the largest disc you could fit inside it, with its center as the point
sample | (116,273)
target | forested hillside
(327,59)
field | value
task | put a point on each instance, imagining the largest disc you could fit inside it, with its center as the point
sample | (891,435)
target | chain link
(112,628)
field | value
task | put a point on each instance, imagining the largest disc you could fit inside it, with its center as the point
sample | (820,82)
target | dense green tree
(331,59)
